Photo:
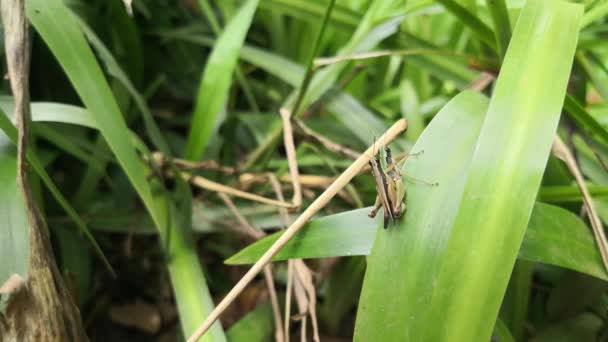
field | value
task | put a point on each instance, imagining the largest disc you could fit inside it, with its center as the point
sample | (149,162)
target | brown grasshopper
(390,187)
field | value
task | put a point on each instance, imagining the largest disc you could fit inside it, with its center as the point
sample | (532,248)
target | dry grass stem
(207,184)
(305,277)
(290,150)
(244,226)
(256,234)
(481,82)
(276,311)
(562,152)
(313,181)
(327,143)
(324,61)
(161,160)
(285,221)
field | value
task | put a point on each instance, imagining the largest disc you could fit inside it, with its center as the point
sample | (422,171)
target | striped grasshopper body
(390,187)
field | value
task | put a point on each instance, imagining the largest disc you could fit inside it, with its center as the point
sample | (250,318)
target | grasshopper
(390,187)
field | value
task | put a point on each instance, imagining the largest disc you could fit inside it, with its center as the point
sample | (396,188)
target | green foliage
(481,254)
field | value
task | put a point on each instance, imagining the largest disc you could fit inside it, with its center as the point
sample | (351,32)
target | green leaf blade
(216,80)
(510,157)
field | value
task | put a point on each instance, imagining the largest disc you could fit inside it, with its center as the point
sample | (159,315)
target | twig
(285,221)
(316,181)
(397,128)
(327,143)
(290,150)
(244,227)
(257,234)
(302,302)
(276,312)
(481,82)
(210,185)
(207,184)
(306,299)
(562,152)
(323,61)
(160,159)
(305,277)
(288,295)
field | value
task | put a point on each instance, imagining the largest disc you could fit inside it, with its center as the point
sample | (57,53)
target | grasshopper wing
(382,188)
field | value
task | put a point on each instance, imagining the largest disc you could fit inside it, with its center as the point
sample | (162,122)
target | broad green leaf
(554,236)
(11,133)
(61,32)
(14,237)
(216,80)
(448,143)
(54,112)
(467,264)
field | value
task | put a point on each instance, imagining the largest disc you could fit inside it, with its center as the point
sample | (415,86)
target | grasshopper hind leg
(377,205)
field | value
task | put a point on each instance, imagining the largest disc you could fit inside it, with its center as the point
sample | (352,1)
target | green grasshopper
(390,187)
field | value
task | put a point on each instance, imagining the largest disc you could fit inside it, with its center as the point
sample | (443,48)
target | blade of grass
(215,81)
(308,73)
(502,333)
(502,26)
(441,66)
(479,28)
(361,122)
(240,76)
(583,119)
(514,308)
(569,193)
(598,11)
(593,75)
(60,30)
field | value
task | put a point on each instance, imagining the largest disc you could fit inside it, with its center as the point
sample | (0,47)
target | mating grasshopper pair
(390,187)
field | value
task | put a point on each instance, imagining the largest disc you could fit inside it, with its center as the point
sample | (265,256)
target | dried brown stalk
(290,150)
(41,307)
(306,299)
(217,187)
(256,234)
(245,227)
(161,160)
(327,143)
(481,82)
(313,181)
(562,152)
